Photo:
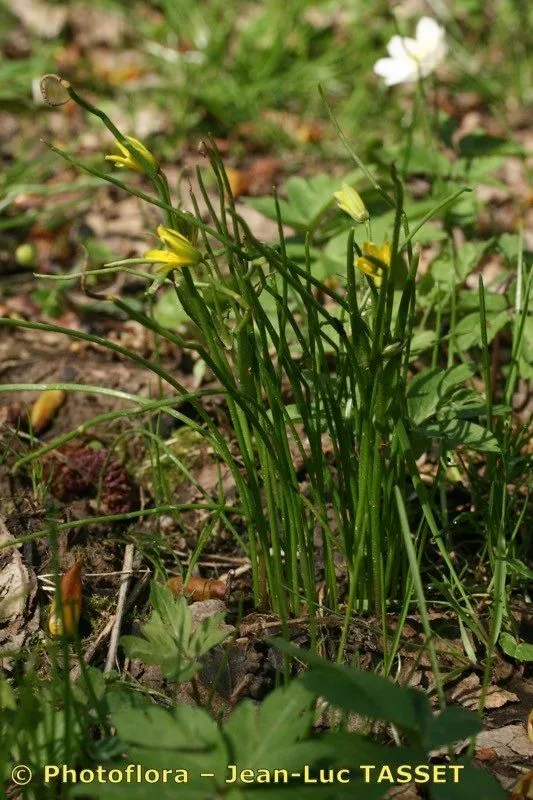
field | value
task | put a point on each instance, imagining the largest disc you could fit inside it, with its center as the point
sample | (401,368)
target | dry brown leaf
(486,754)
(19,614)
(40,18)
(468,693)
(509,742)
(257,179)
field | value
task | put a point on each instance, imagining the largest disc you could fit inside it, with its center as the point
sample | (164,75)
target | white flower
(411,59)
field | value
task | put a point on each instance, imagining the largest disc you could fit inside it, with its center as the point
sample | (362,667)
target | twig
(234,573)
(115,633)
(90,652)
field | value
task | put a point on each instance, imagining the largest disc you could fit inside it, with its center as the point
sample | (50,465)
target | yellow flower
(126,159)
(350,201)
(369,267)
(180,251)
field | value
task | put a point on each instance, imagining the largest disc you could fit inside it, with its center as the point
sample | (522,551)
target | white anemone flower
(411,59)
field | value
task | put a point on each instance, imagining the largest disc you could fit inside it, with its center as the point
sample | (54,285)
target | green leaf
(430,387)
(173,611)
(467,332)
(363,692)
(267,207)
(157,728)
(421,341)
(479,143)
(525,360)
(512,648)
(469,301)
(451,725)
(7,696)
(168,640)
(307,200)
(270,736)
(456,432)
(472,782)
(168,310)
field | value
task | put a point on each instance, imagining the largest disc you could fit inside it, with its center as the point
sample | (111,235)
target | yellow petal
(174,240)
(161,257)
(118,161)
(128,159)
(385,253)
(180,246)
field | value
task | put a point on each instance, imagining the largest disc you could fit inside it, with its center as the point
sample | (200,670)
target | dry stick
(115,633)
(89,654)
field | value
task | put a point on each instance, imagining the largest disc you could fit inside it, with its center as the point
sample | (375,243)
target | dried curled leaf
(19,611)
(530,725)
(198,588)
(45,408)
(65,610)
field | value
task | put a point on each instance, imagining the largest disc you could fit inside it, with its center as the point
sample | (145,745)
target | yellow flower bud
(180,251)
(350,201)
(127,160)
(45,408)
(70,598)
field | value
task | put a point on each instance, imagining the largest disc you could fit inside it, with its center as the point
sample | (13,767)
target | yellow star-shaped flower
(127,160)
(180,251)
(371,254)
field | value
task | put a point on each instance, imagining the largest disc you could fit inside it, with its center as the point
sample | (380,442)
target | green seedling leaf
(512,648)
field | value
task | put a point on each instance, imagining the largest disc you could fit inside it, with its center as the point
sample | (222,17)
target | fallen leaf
(39,17)
(256,179)
(508,742)
(486,754)
(497,698)
(468,693)
(19,613)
